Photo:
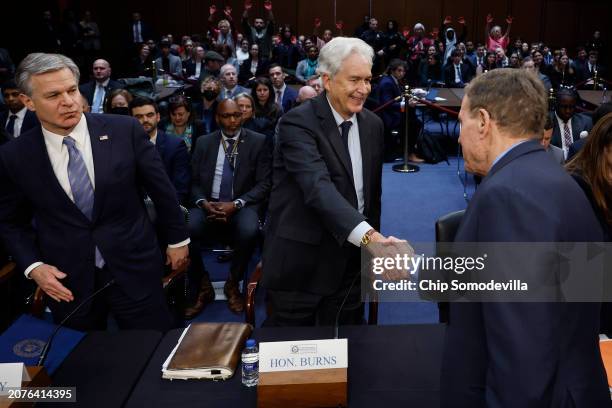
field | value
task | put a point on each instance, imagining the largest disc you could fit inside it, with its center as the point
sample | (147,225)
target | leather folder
(207,350)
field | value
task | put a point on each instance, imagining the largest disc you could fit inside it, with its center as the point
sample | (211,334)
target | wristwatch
(365,240)
(238,204)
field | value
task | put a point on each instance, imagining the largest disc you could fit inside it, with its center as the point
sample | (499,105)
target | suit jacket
(580,122)
(175,157)
(29,121)
(289,97)
(89,88)
(576,147)
(449,75)
(388,90)
(525,354)
(244,74)
(125,163)
(556,153)
(313,205)
(237,90)
(252,173)
(176,66)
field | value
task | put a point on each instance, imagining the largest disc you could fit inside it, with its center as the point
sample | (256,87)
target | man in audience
(478,58)
(589,69)
(139,30)
(167,63)
(599,113)
(261,31)
(97,90)
(375,39)
(231,184)
(172,150)
(7,68)
(529,65)
(456,75)
(306,92)
(284,95)
(18,119)
(555,153)
(568,126)
(92,233)
(229,80)
(212,65)
(316,83)
(520,354)
(326,195)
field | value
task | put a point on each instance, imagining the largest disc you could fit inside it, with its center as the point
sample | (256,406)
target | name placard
(303,355)
(11,376)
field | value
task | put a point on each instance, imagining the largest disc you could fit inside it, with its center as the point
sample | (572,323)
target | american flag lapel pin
(103,137)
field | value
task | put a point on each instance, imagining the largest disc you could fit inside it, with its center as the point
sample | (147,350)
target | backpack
(430,149)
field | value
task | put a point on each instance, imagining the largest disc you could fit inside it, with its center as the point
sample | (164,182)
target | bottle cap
(250,343)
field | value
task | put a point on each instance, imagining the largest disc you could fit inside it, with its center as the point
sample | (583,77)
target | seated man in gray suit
(168,63)
(567,124)
(554,152)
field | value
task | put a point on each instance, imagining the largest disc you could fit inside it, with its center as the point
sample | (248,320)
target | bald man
(101,85)
(306,92)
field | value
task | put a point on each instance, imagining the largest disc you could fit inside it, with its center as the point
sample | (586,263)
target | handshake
(378,246)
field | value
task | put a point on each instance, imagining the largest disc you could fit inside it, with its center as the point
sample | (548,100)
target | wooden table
(593,97)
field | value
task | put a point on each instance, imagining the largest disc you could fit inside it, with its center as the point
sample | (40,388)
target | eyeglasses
(237,115)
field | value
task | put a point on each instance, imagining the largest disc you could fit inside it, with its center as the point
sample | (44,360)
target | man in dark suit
(231,185)
(139,30)
(567,124)
(17,119)
(172,150)
(99,88)
(285,96)
(325,201)
(457,74)
(82,183)
(524,353)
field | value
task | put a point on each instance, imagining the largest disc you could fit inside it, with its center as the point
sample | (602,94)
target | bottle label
(251,366)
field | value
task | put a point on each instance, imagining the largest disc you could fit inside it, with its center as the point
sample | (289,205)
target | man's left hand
(177,257)
(227,208)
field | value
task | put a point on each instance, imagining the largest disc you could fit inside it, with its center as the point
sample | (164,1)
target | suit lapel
(330,128)
(366,159)
(101,149)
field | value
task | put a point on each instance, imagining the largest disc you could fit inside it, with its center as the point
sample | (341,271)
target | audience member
(489,64)
(286,53)
(418,44)
(308,66)
(283,95)
(430,71)
(139,30)
(167,63)
(231,200)
(186,52)
(143,62)
(266,109)
(210,89)
(394,40)
(567,124)
(246,105)
(17,119)
(89,34)
(555,153)
(327,33)
(478,59)
(7,68)
(599,113)
(229,80)
(529,65)
(456,74)
(448,36)
(183,122)
(242,53)
(261,31)
(375,39)
(253,67)
(562,74)
(194,65)
(96,91)
(118,102)
(493,35)
(212,65)
(316,83)
(306,92)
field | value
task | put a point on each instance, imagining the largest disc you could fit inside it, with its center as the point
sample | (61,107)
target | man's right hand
(212,212)
(388,247)
(248,4)
(47,277)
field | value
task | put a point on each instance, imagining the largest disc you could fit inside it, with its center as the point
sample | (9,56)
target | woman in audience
(514,61)
(183,123)
(226,52)
(143,62)
(430,71)
(255,66)
(562,73)
(210,89)
(242,53)
(266,110)
(118,102)
(489,63)
(394,41)
(246,104)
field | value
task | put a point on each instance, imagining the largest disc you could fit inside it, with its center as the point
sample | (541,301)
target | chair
(252,289)
(446,229)
(174,283)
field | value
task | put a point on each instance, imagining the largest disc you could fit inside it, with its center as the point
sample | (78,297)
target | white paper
(11,375)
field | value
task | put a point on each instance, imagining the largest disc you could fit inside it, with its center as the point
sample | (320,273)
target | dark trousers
(150,313)
(294,308)
(241,231)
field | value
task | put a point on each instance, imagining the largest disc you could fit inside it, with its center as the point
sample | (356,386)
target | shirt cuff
(197,203)
(31,268)
(358,232)
(180,244)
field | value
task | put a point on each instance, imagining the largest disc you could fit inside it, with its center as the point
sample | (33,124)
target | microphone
(336,323)
(45,350)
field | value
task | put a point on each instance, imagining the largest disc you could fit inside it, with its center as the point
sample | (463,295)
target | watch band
(365,240)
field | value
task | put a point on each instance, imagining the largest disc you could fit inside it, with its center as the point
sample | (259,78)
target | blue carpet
(411,204)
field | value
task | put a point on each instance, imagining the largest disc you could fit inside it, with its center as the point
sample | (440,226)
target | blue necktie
(227,177)
(10,126)
(82,189)
(98,99)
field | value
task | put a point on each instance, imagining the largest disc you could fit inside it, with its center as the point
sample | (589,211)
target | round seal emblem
(29,348)
(294,349)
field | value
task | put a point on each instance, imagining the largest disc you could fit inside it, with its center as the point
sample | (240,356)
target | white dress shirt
(198,68)
(354,145)
(18,121)
(137,27)
(59,157)
(457,69)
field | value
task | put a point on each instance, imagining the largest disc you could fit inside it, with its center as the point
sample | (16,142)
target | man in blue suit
(72,212)
(520,354)
(171,149)
(17,119)
(285,96)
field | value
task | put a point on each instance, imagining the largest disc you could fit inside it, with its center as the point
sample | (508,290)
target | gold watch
(365,240)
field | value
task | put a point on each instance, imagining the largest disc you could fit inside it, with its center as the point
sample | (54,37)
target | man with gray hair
(522,354)
(83,184)
(326,195)
(229,80)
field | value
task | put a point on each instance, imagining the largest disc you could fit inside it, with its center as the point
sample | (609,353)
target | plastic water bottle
(250,364)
